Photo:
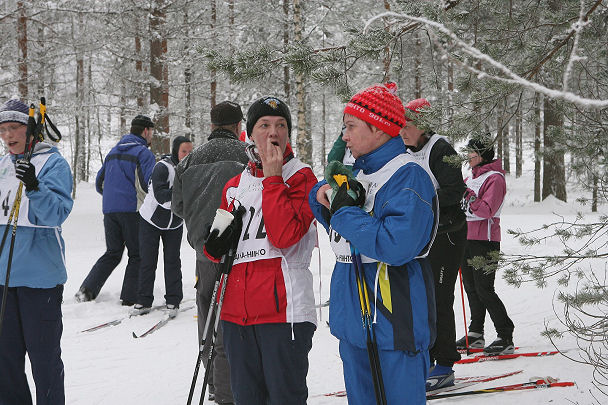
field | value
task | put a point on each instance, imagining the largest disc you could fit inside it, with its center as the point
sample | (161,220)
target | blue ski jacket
(124,175)
(39,252)
(400,286)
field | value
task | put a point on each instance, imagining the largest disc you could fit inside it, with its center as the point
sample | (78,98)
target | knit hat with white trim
(14,111)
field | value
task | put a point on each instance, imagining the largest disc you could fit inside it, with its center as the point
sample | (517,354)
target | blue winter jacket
(39,253)
(397,231)
(123,177)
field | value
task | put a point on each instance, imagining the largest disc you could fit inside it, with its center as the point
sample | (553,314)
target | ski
(541,383)
(160,324)
(482,357)
(459,382)
(116,321)
(476,350)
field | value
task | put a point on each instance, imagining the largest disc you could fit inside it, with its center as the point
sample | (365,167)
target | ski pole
(204,337)
(224,282)
(372,346)
(464,314)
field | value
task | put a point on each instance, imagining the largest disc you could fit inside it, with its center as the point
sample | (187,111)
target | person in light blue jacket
(391,228)
(32,321)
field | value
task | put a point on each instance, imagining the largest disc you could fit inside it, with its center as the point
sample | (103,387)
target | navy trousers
(267,367)
(121,228)
(32,325)
(149,240)
(479,285)
(445,258)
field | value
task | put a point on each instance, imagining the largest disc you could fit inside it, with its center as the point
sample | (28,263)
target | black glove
(26,172)
(344,199)
(217,245)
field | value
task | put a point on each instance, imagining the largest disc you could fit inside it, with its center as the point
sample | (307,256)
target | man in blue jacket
(390,224)
(123,183)
(32,320)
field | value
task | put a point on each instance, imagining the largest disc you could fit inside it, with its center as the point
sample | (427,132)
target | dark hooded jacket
(200,178)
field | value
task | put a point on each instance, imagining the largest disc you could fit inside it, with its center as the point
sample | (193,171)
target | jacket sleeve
(319,211)
(100,178)
(287,215)
(145,167)
(490,198)
(51,204)
(405,220)
(177,198)
(337,150)
(160,183)
(448,176)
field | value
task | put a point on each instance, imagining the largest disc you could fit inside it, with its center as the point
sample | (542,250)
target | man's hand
(272,158)
(322,195)
(26,172)
(344,198)
(217,245)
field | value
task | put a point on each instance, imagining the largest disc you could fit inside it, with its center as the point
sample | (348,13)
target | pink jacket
(489,199)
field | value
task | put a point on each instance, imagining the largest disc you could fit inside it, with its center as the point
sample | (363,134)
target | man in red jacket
(268,315)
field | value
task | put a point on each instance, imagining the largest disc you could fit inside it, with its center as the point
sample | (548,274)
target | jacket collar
(222,133)
(495,165)
(376,159)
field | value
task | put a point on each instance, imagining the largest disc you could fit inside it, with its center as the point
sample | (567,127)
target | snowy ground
(111,367)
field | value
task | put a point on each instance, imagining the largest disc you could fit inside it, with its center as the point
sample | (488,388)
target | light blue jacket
(39,252)
(398,230)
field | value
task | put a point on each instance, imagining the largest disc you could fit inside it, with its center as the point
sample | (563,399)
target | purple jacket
(489,199)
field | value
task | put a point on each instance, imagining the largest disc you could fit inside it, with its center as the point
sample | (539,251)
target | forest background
(533,73)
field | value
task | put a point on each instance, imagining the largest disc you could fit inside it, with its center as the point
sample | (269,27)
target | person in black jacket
(156,221)
(197,192)
(429,150)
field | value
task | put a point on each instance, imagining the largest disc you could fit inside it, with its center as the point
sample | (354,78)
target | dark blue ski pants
(121,229)
(267,366)
(32,324)
(149,240)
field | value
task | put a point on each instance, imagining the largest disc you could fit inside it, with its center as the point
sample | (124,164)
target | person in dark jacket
(32,321)
(123,183)
(197,191)
(429,150)
(157,222)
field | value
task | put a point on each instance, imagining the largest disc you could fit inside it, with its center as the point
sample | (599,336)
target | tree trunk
(537,151)
(187,80)
(22,45)
(213,85)
(554,171)
(518,143)
(500,115)
(304,144)
(506,141)
(417,66)
(387,49)
(286,29)
(138,63)
(159,87)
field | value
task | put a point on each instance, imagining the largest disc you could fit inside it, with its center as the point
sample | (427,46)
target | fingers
(322,195)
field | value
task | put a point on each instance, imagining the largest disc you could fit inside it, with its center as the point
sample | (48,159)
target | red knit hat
(416,105)
(379,106)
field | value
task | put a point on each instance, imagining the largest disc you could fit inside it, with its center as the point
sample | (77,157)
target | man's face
(360,137)
(270,128)
(148,134)
(411,135)
(13,136)
(184,150)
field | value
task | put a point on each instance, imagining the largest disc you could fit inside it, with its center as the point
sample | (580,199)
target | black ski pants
(121,228)
(32,325)
(268,362)
(479,285)
(445,258)
(149,241)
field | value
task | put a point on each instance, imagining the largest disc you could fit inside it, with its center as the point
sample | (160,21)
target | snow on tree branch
(508,76)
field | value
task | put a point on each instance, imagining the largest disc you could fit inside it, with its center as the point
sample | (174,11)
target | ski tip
(134,335)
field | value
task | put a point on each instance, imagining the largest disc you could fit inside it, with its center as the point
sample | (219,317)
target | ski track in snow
(109,366)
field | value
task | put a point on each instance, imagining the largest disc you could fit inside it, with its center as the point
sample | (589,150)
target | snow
(110,366)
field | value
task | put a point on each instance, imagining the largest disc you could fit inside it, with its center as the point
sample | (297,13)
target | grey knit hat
(14,111)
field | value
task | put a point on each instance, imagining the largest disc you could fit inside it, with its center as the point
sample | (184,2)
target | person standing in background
(158,222)
(429,150)
(123,183)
